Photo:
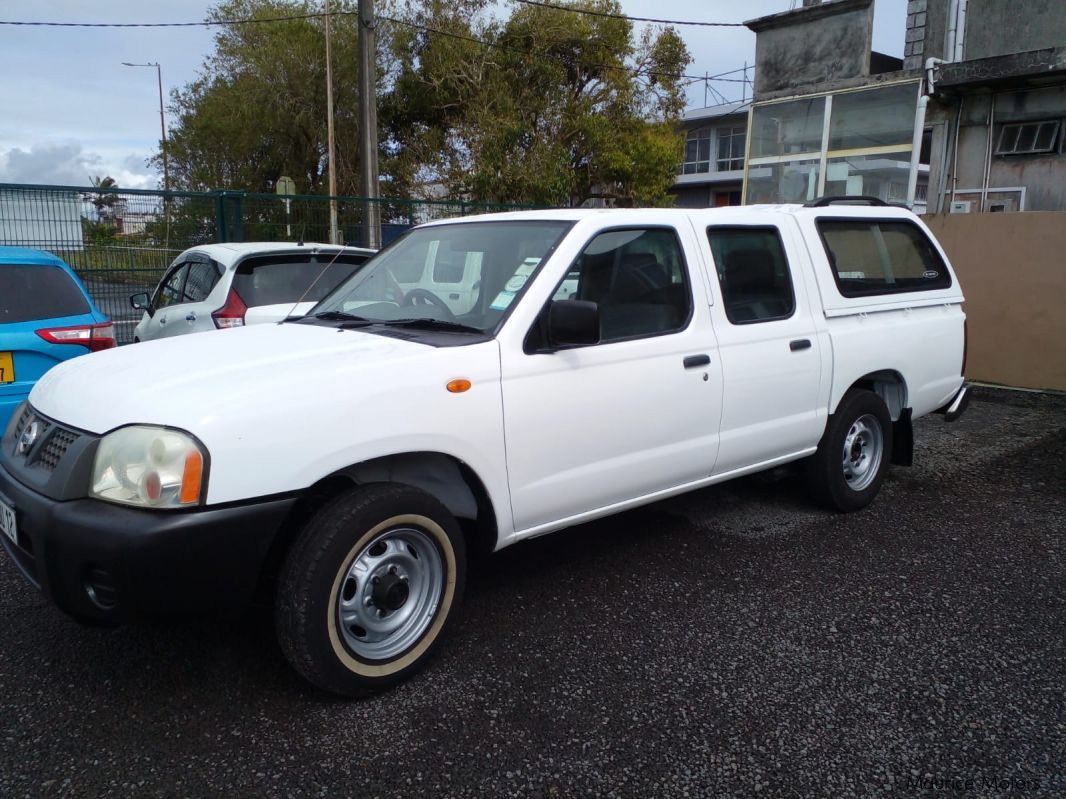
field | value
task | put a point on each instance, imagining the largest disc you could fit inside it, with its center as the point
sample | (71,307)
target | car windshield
(459,276)
(29,292)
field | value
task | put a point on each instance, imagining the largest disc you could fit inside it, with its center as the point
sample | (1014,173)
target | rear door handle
(190,317)
(694,361)
(799,344)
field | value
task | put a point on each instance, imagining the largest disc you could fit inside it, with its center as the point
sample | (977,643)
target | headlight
(152,467)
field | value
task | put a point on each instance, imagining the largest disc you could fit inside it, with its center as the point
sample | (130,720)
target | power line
(609,15)
(201,24)
(406,23)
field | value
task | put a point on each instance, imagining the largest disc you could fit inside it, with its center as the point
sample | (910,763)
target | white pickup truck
(479,382)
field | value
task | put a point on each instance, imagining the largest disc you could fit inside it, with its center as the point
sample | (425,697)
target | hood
(203,379)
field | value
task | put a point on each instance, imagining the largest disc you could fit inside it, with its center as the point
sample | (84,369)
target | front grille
(53,451)
(24,417)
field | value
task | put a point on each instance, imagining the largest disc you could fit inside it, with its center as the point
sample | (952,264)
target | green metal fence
(120,241)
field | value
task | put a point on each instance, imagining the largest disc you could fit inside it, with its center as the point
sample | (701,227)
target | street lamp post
(162,119)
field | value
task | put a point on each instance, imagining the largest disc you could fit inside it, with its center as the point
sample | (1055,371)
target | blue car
(46,316)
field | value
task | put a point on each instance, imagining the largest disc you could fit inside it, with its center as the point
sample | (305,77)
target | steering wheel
(420,296)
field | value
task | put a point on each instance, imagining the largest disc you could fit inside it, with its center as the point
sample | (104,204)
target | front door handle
(799,344)
(190,317)
(695,361)
(162,320)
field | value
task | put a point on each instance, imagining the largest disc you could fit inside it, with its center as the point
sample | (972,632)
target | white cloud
(70,165)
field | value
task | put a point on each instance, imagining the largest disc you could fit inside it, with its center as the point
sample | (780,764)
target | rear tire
(370,588)
(846,472)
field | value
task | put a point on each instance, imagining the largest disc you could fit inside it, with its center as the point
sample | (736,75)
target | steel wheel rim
(390,594)
(863,449)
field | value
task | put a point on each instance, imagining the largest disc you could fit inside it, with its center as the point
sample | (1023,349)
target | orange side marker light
(458,386)
(191,477)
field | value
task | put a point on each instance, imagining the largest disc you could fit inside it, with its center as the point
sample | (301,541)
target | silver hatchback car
(230,285)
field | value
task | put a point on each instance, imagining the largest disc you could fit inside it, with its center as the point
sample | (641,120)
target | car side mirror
(140,302)
(573,323)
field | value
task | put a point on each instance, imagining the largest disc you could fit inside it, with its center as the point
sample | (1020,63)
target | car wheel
(846,471)
(369,588)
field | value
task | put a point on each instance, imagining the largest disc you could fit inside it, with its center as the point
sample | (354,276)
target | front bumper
(109,563)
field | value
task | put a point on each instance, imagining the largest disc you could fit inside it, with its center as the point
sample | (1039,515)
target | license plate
(7,522)
(7,368)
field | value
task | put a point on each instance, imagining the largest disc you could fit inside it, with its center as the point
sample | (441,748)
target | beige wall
(1013,272)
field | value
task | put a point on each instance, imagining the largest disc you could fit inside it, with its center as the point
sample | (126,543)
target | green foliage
(558,109)
(98,233)
(258,108)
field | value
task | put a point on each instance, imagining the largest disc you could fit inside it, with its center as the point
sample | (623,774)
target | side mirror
(140,301)
(573,323)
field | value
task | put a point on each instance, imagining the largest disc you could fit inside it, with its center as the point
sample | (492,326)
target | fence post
(220,217)
(238,217)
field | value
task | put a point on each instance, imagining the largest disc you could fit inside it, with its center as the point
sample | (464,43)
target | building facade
(712,173)
(997,110)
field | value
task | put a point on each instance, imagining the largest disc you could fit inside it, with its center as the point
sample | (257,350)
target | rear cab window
(276,279)
(31,292)
(871,257)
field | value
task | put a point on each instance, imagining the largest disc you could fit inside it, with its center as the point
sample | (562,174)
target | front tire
(369,588)
(847,470)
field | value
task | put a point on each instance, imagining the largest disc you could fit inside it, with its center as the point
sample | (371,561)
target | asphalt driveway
(733,642)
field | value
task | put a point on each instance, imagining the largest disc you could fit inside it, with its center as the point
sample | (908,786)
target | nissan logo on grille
(29,435)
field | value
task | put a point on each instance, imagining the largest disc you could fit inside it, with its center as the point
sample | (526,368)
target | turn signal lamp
(458,386)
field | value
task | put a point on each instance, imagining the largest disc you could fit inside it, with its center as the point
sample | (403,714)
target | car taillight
(232,313)
(94,337)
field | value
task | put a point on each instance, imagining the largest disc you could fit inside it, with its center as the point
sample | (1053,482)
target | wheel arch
(451,481)
(888,384)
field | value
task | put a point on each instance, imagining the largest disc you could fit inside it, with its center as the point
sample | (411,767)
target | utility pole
(368,126)
(334,233)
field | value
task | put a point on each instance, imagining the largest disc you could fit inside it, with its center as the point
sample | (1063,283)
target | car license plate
(7,368)
(7,521)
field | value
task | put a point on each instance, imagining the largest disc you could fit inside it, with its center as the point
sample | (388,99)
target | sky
(71,110)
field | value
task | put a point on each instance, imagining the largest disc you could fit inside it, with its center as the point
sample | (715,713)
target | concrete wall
(1013,275)
(1044,175)
(812,45)
(995,27)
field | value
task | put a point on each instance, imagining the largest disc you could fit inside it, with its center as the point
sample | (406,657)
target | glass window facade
(848,143)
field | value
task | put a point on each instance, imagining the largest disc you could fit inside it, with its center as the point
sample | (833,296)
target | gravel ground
(732,642)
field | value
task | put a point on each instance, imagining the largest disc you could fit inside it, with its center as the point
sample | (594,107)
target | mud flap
(903,439)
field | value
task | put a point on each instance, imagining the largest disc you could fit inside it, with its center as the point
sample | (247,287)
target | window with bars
(731,149)
(1026,138)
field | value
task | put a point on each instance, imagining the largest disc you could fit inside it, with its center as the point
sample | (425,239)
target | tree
(257,110)
(544,106)
(104,200)
(560,107)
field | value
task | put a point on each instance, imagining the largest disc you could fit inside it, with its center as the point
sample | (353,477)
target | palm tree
(106,203)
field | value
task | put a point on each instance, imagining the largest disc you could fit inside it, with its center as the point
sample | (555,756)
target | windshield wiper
(339,316)
(433,324)
(346,320)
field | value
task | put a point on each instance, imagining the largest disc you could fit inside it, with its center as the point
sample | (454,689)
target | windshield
(465,274)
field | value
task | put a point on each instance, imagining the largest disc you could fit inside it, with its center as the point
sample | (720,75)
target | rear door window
(276,279)
(878,256)
(29,292)
(752,273)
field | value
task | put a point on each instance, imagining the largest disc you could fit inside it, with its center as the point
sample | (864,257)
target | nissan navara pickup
(479,382)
